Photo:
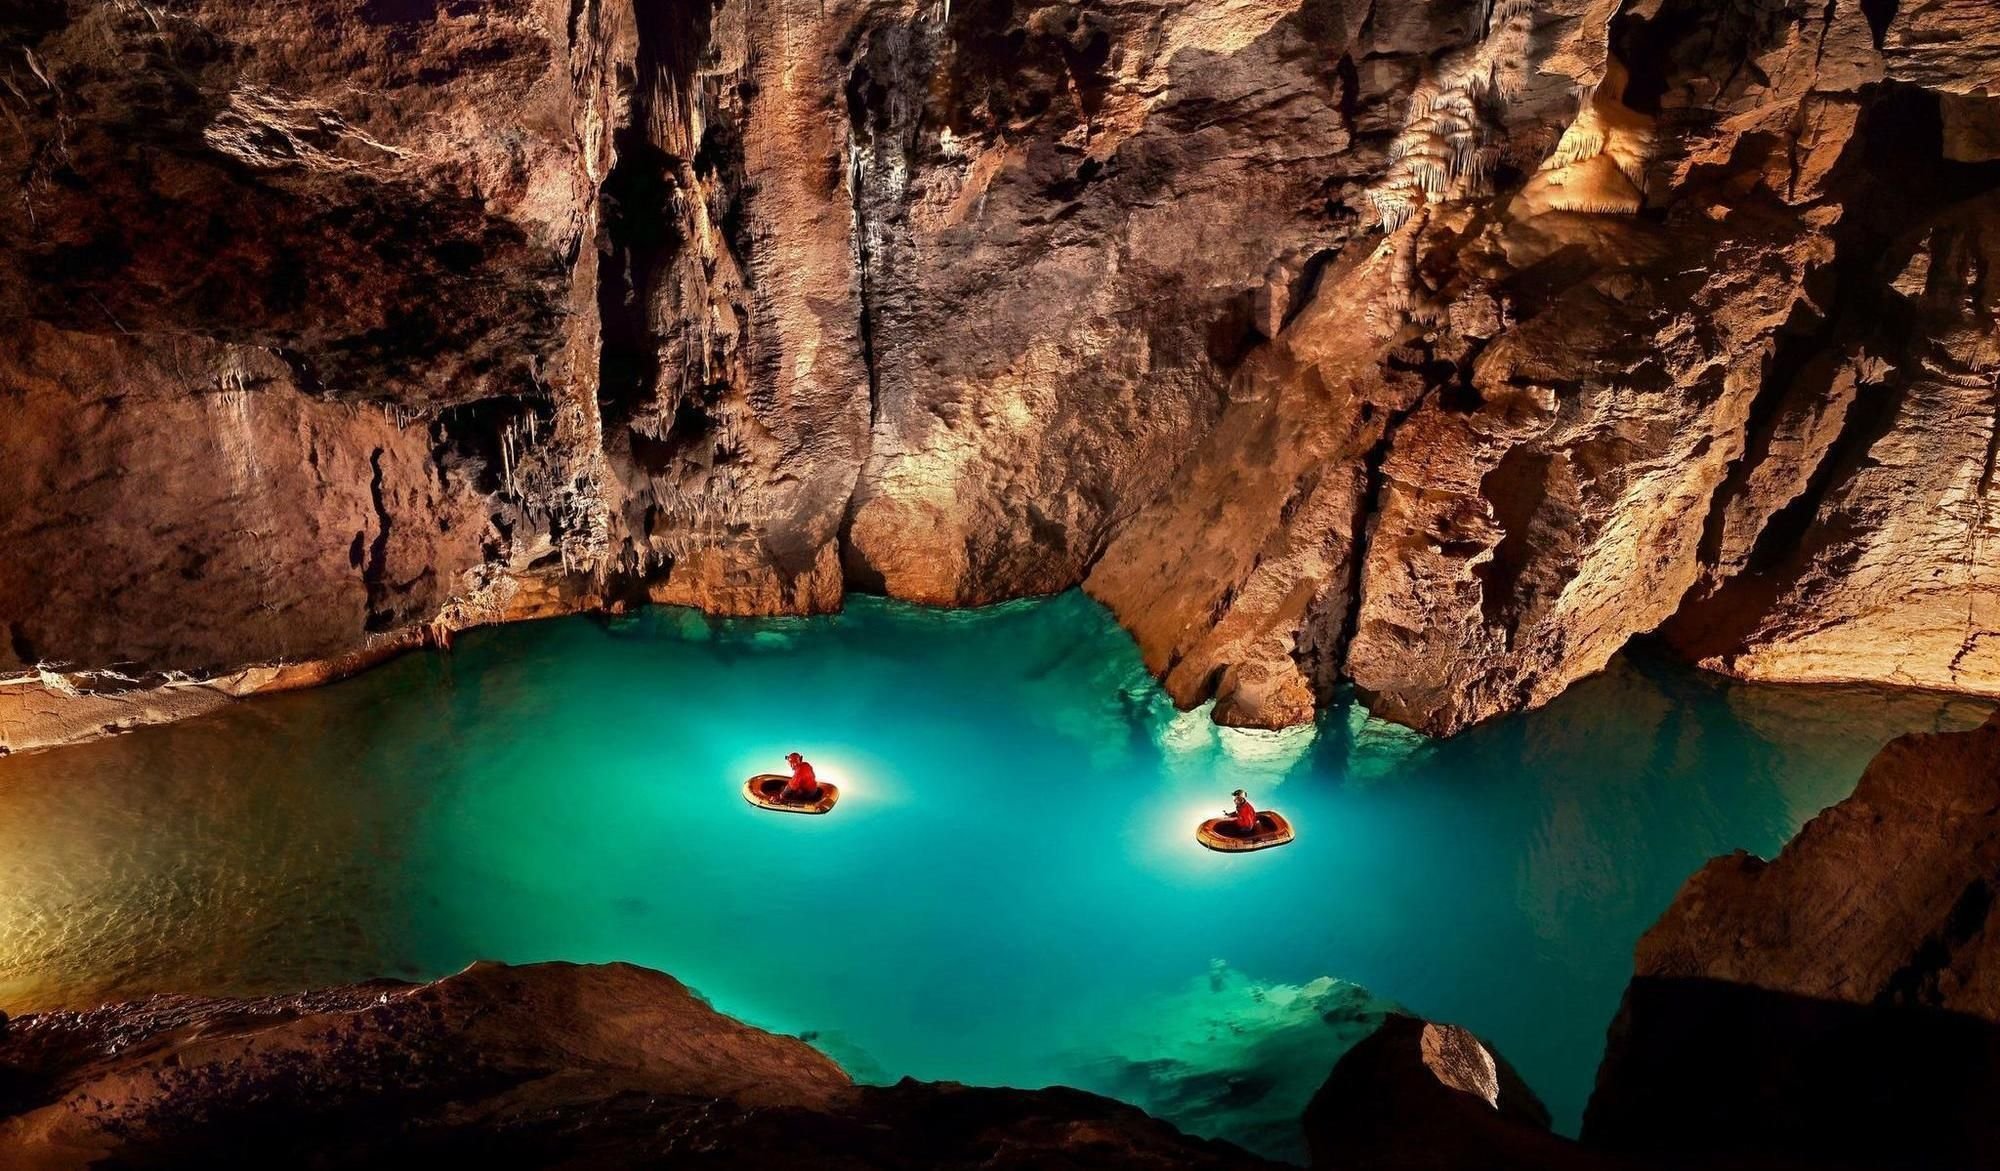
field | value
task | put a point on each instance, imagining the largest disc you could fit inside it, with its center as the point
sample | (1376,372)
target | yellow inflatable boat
(1222,833)
(767,791)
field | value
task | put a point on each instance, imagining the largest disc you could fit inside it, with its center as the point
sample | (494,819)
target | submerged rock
(1840,1002)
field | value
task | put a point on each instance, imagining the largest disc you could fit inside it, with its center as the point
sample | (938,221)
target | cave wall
(1440,349)
(297,521)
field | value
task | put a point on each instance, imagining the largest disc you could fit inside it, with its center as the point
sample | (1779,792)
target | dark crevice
(1445,380)
(1349,103)
(1305,286)
(859,97)
(304,374)
(1992,451)
(1804,337)
(1516,488)
(868,114)
(1316,649)
(1232,335)
(379,616)
(643,233)
(1916,983)
(1986,476)
(640,236)
(24,650)
(1645,45)
(1825,29)
(1868,421)
(1362,529)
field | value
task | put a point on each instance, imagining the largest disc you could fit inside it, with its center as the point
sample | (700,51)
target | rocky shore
(540,1066)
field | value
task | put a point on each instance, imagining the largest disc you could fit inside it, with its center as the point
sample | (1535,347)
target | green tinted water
(1008,892)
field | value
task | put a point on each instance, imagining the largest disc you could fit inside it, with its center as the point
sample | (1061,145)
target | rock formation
(1438,349)
(546,1065)
(1420,1095)
(1836,1007)
(1839,1005)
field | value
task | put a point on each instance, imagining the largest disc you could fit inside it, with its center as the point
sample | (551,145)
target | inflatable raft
(767,791)
(1221,833)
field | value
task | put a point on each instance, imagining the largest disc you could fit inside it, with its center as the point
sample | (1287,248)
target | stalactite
(1438,153)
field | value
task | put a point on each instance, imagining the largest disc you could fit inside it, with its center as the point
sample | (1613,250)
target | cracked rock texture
(1439,349)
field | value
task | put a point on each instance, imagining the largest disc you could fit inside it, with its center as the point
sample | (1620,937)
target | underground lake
(1009,891)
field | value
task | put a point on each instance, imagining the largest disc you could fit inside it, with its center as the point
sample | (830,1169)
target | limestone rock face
(298,520)
(1559,428)
(1439,349)
(323,181)
(1075,223)
(540,1066)
(1841,1001)
(1884,568)
(1946,45)
(280,296)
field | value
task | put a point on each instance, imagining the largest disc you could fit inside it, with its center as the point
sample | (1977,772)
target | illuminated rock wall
(1438,348)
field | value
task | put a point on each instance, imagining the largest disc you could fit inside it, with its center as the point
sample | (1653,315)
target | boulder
(1840,1002)
(1417,1094)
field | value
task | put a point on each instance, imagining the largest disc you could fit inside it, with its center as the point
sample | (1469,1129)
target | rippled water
(1008,892)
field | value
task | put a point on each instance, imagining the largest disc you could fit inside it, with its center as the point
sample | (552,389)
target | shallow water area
(1009,890)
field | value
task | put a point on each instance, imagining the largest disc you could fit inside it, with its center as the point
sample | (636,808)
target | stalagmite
(1599,166)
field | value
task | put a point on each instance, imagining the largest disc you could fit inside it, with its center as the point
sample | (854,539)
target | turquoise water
(1008,891)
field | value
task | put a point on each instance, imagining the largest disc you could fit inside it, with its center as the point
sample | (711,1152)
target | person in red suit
(1246,814)
(803,786)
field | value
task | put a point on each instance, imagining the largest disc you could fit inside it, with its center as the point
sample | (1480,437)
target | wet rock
(1840,1002)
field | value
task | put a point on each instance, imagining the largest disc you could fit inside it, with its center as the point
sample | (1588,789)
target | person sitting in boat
(803,786)
(1246,814)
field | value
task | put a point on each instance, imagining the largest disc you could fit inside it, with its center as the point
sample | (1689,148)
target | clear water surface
(1009,891)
